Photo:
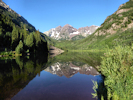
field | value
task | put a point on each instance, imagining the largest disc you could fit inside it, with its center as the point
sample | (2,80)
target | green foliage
(25,34)
(37,37)
(90,58)
(9,34)
(16,74)
(20,62)
(29,66)
(115,18)
(77,37)
(14,34)
(117,67)
(95,87)
(128,4)
(5,53)
(13,28)
(19,48)
(30,40)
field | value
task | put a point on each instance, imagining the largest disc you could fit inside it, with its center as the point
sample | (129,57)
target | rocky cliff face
(69,69)
(85,31)
(120,20)
(68,32)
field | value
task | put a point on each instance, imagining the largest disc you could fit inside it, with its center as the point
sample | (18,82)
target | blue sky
(47,14)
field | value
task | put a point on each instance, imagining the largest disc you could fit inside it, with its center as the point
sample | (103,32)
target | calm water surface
(34,80)
(53,87)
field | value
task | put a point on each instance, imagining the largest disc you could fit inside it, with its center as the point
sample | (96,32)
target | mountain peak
(59,26)
(68,32)
(66,25)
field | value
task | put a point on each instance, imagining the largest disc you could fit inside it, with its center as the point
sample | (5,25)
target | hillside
(116,29)
(15,17)
(17,34)
(121,19)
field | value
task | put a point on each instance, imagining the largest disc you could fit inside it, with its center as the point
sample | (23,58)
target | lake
(65,77)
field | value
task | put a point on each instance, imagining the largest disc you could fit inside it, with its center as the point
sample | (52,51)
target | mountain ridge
(19,19)
(121,19)
(67,32)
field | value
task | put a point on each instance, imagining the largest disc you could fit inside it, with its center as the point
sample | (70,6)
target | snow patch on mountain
(74,33)
(67,32)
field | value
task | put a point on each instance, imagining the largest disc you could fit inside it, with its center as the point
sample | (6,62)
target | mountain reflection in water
(69,69)
(43,79)
(74,83)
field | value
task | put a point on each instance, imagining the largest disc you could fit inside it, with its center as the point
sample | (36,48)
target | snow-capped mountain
(68,32)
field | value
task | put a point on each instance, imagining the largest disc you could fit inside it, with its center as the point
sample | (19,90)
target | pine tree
(0,27)
(14,34)
(37,37)
(21,35)
(19,48)
(25,34)
(30,40)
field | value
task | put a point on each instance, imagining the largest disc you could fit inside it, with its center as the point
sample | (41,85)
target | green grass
(92,50)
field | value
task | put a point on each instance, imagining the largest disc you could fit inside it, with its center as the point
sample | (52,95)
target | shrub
(19,48)
(117,67)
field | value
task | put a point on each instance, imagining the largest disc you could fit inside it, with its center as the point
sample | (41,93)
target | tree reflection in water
(16,73)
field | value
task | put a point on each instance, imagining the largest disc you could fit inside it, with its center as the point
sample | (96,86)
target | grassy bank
(91,50)
(117,67)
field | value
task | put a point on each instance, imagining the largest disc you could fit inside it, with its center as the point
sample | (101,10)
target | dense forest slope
(116,29)
(17,34)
